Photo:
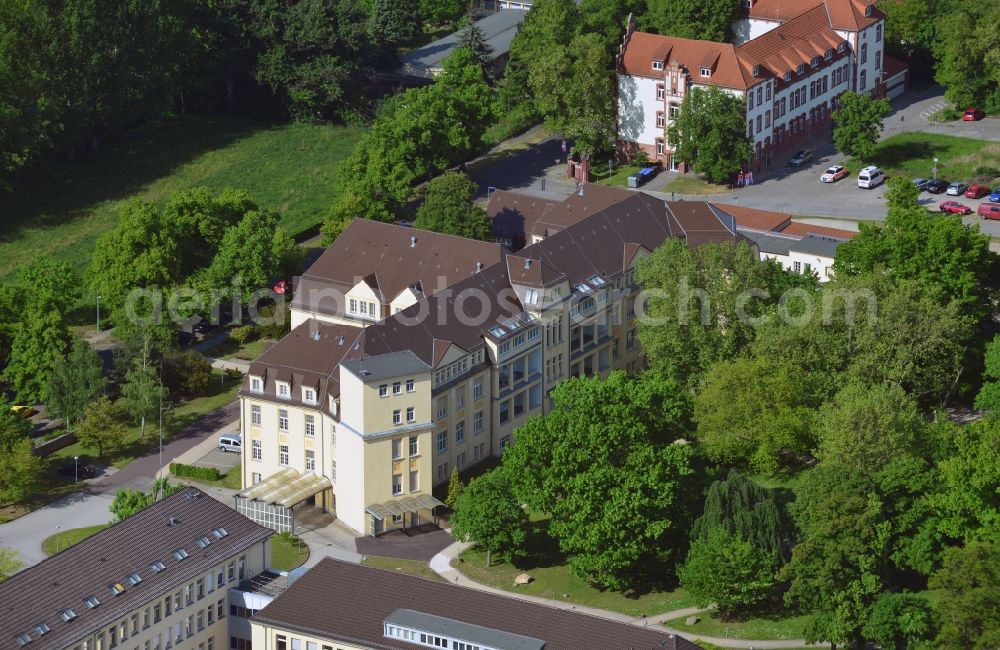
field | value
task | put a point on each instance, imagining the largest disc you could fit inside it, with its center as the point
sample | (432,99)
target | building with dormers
(790,62)
(364,421)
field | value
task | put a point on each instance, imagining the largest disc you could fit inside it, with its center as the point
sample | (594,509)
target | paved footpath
(441,564)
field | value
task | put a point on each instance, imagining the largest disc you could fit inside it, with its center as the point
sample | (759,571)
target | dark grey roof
(475,634)
(64,581)
(769,242)
(499,29)
(394,364)
(818,245)
(350,603)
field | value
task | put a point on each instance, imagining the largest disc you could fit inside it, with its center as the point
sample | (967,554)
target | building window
(878,60)
(797,267)
(309,395)
(477,422)
(282,420)
(705,72)
(767,119)
(659,124)
(397,448)
(410,414)
(661,91)
(255,414)
(283,455)
(410,386)
(383,390)
(255,478)
(310,460)
(477,389)
(750,100)
(750,128)
(310,425)
(659,146)
(397,388)
(442,440)
(459,433)
(442,471)
(864,79)
(630,339)
(414,449)
(864,52)
(788,75)
(333,471)
(767,92)
(657,65)
(397,484)
(255,384)
(414,480)
(258,452)
(759,120)
(284,391)
(397,416)
(878,32)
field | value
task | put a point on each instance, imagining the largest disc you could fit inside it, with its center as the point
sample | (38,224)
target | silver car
(956,189)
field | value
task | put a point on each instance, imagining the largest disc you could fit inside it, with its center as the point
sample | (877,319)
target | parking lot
(221,460)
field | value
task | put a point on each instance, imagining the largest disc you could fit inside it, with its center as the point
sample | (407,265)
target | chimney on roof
(172,521)
(479,267)
(316,335)
(580,193)
(340,341)
(527,264)
(413,241)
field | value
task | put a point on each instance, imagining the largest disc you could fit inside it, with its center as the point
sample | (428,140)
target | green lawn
(554,579)
(617,178)
(693,185)
(64,539)
(287,168)
(912,154)
(411,567)
(233,479)
(763,628)
(246,352)
(287,552)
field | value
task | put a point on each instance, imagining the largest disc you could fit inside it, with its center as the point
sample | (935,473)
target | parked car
(954,207)
(937,186)
(972,115)
(956,189)
(78,470)
(870,177)
(282,286)
(801,157)
(921,183)
(834,173)
(976,191)
(231,442)
(994,196)
(989,211)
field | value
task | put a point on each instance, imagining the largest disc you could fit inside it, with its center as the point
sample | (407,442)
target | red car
(282,286)
(973,115)
(976,191)
(954,207)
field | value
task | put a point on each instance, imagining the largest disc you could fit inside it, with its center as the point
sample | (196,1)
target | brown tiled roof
(349,603)
(848,15)
(796,42)
(803,229)
(576,208)
(383,254)
(643,49)
(40,594)
(754,219)
(514,214)
(891,66)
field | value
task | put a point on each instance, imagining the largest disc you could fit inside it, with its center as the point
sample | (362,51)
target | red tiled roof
(795,42)
(643,49)
(891,66)
(754,219)
(803,229)
(843,14)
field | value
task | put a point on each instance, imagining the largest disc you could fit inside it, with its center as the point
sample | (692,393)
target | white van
(870,177)
(231,442)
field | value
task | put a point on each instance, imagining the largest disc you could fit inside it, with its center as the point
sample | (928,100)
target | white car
(834,173)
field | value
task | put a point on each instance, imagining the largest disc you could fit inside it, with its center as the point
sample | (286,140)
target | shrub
(243,335)
(186,373)
(641,158)
(949,114)
(198,473)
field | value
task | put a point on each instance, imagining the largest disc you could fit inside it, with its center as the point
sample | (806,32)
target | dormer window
(800,69)
(333,405)
(657,65)
(256,384)
(284,390)
(309,395)
(788,75)
(756,71)
(842,47)
(531,296)
(828,55)
(868,10)
(706,72)
(815,62)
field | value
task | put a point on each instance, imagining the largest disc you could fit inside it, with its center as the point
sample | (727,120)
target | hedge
(192,471)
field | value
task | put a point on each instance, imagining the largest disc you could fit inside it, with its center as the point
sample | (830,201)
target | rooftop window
(706,72)
(220,532)
(756,71)
(597,281)
(582,288)
(92,602)
(203,542)
(157,566)
(134,579)
(67,615)
(180,554)
(800,69)
(788,76)
(657,65)
(116,588)
(23,639)
(42,628)
(497,331)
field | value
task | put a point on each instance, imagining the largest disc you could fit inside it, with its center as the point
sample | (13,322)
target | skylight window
(582,288)
(203,542)
(180,554)
(597,281)
(134,579)
(92,602)
(23,639)
(157,566)
(67,615)
(116,588)
(42,628)
(497,331)
(220,532)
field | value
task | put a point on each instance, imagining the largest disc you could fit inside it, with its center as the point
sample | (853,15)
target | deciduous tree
(20,468)
(743,508)
(449,208)
(127,502)
(101,427)
(608,464)
(39,344)
(142,394)
(252,253)
(394,21)
(710,133)
(989,395)
(442,12)
(708,21)
(900,620)
(455,488)
(729,571)
(74,382)
(969,609)
(858,120)
(186,373)
(488,513)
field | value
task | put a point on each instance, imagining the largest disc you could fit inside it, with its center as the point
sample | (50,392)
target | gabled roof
(356,611)
(40,594)
(803,229)
(796,42)
(847,15)
(754,219)
(643,48)
(514,214)
(387,258)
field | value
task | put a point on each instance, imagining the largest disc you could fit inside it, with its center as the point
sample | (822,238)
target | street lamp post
(98,313)
(934,170)
(76,469)
(57,540)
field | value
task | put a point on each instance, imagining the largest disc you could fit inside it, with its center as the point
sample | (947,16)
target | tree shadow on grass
(898,154)
(68,189)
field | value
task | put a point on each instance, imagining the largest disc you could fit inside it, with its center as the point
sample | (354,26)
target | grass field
(693,185)
(287,552)
(288,169)
(411,567)
(64,539)
(913,154)
(763,628)
(552,578)
(617,178)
